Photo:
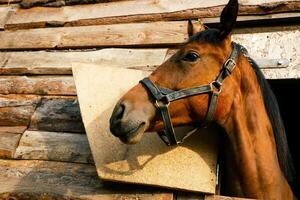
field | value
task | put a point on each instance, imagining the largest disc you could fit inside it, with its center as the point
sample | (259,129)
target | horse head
(198,62)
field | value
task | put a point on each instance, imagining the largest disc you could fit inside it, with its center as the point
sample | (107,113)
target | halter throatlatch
(164,96)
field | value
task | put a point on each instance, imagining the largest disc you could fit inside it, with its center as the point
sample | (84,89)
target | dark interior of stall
(287,93)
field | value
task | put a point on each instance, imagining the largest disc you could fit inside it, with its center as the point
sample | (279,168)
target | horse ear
(228,18)
(195,27)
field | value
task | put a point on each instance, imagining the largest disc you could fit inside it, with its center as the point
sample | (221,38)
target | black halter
(164,96)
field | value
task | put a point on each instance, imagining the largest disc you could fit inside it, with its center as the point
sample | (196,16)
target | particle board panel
(191,166)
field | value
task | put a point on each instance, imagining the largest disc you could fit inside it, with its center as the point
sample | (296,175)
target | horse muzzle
(128,124)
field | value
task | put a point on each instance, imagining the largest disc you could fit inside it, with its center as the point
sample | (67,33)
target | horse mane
(284,156)
(272,107)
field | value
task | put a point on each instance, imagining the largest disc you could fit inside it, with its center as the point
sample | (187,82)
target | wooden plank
(60,62)
(191,196)
(8,144)
(53,146)
(138,11)
(16,110)
(42,85)
(9,1)
(216,197)
(263,44)
(139,34)
(12,129)
(58,114)
(5,12)
(25,179)
(59,3)
(257,19)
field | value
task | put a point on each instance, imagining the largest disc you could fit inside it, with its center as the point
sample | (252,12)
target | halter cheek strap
(164,96)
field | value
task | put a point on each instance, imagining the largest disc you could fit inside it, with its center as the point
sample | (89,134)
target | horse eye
(191,57)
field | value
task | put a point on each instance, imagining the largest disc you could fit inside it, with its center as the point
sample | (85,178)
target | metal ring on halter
(162,103)
(216,85)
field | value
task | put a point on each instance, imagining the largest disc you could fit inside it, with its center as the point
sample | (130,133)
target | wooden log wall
(41,131)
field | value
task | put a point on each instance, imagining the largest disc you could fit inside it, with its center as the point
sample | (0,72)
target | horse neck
(251,157)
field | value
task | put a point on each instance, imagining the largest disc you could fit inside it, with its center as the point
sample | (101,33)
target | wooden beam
(12,129)
(5,12)
(58,114)
(262,43)
(42,85)
(29,179)
(139,34)
(60,62)
(16,110)
(216,197)
(59,3)
(9,1)
(53,146)
(8,144)
(256,19)
(138,11)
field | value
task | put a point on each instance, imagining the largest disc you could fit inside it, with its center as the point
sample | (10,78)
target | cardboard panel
(191,166)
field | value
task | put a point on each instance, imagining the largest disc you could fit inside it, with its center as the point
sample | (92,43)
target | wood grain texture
(59,3)
(8,144)
(60,62)
(262,43)
(16,110)
(138,11)
(216,197)
(5,12)
(12,129)
(57,114)
(41,85)
(54,146)
(139,34)
(27,180)
(9,1)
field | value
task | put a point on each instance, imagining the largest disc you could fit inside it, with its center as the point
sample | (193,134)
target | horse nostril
(119,113)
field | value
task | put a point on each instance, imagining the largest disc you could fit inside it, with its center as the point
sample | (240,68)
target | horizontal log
(53,146)
(9,1)
(42,85)
(142,34)
(25,179)
(57,114)
(16,110)
(59,3)
(12,129)
(138,11)
(4,14)
(8,144)
(258,19)
(60,62)
(216,197)
(262,43)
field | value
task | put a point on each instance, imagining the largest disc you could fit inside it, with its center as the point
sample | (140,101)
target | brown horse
(232,94)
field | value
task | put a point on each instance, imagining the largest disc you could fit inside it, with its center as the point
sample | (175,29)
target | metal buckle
(230,65)
(216,85)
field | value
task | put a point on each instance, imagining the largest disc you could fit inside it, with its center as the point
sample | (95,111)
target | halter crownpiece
(164,96)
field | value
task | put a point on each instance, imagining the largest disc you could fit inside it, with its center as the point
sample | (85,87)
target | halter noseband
(163,97)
